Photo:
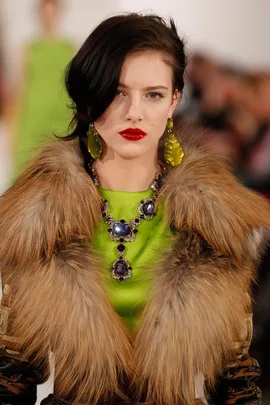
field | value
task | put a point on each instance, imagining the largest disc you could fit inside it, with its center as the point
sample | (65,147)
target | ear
(175,100)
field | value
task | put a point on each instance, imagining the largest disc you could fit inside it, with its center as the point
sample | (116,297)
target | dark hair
(92,76)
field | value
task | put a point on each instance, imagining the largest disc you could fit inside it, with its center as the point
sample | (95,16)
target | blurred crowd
(230,109)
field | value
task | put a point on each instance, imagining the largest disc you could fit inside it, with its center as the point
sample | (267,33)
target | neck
(49,31)
(127,174)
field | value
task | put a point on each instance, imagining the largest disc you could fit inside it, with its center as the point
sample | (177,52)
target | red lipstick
(132,134)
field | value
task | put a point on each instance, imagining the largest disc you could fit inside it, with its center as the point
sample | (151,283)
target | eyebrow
(149,88)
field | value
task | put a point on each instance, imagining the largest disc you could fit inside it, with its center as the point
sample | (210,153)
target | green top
(153,237)
(44,105)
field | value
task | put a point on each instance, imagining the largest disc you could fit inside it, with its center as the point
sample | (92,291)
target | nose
(134,112)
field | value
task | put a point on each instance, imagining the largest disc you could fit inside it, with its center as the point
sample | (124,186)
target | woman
(141,292)
(40,105)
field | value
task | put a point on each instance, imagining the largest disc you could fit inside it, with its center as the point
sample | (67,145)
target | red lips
(132,134)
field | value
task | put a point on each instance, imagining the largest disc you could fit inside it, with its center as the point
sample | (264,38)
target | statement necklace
(125,231)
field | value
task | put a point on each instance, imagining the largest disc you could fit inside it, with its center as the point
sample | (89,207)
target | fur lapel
(200,293)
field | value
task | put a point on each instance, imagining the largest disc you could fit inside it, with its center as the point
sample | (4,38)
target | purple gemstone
(120,268)
(148,208)
(121,229)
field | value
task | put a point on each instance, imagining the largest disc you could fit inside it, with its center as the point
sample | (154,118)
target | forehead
(49,5)
(147,68)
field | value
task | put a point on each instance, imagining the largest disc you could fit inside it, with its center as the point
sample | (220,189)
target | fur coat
(201,288)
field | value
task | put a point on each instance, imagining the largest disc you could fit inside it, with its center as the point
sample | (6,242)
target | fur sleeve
(58,303)
(202,195)
(53,200)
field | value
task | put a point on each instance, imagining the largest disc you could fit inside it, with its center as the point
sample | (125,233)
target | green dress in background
(130,297)
(44,110)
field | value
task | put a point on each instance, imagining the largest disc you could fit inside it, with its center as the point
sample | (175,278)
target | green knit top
(153,238)
(44,103)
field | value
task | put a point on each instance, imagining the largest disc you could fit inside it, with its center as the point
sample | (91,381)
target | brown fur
(200,293)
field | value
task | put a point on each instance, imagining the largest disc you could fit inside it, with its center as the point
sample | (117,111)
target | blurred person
(154,308)
(212,92)
(40,102)
(254,170)
(200,69)
(233,109)
(249,118)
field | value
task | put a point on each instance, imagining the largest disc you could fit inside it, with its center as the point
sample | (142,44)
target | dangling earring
(173,152)
(94,144)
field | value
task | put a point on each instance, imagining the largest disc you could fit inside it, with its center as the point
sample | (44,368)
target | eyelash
(159,95)
(156,94)
(118,92)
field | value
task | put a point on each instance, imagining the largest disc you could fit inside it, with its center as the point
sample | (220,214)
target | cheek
(109,118)
(160,125)
(157,127)
(107,126)
(164,107)
(160,114)
(104,123)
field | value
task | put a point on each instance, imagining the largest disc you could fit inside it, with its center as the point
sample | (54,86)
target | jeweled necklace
(125,231)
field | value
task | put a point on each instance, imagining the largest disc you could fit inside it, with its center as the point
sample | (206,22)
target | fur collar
(201,287)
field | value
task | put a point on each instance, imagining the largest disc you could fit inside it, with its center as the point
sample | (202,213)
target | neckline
(109,191)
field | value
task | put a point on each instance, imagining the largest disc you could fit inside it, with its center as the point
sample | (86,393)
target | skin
(49,18)
(145,99)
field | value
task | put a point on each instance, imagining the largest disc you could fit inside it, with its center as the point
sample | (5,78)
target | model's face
(49,13)
(144,101)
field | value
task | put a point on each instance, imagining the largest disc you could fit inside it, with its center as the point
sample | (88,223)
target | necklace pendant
(121,269)
(147,209)
(125,231)
(121,230)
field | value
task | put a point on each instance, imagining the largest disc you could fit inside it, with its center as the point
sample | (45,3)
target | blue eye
(154,95)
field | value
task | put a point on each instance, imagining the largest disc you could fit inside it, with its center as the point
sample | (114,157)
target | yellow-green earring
(173,151)
(94,143)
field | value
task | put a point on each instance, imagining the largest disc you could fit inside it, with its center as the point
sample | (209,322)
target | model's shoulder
(53,199)
(59,155)
(202,194)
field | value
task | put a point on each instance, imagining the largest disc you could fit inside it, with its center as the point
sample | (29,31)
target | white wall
(236,30)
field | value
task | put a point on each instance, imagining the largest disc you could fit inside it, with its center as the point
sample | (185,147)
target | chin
(132,151)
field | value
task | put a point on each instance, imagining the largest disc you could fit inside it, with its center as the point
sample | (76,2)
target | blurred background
(227,92)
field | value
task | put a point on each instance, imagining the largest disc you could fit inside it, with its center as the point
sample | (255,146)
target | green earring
(94,144)
(173,151)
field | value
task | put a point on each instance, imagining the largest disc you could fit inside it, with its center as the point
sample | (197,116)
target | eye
(154,95)
(119,92)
